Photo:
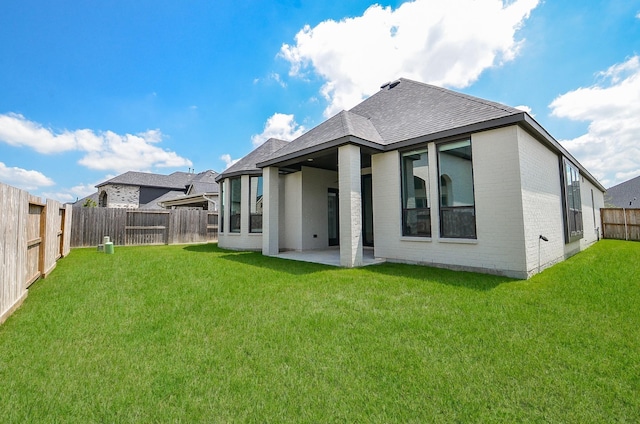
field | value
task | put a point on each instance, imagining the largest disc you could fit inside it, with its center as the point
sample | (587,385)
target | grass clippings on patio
(199,334)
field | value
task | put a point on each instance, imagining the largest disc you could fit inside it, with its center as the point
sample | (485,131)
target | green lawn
(199,334)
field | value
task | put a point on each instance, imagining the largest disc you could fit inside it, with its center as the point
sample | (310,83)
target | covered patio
(330,256)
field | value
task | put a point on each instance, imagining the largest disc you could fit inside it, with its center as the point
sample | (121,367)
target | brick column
(270,213)
(349,183)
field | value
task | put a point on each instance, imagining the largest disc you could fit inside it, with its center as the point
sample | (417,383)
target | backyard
(199,334)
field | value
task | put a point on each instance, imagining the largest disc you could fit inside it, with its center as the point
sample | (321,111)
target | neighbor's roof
(204,182)
(247,165)
(177,180)
(623,194)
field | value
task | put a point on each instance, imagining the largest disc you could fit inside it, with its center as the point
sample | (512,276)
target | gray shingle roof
(623,194)
(409,109)
(401,111)
(405,113)
(340,127)
(177,180)
(204,182)
(247,165)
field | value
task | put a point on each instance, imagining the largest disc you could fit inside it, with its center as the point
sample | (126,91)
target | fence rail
(34,234)
(621,223)
(138,227)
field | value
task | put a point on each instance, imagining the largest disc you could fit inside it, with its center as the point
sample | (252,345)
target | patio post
(350,201)
(270,213)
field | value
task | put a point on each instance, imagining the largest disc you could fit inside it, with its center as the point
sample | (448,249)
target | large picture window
(457,205)
(572,202)
(235,201)
(416,213)
(255,204)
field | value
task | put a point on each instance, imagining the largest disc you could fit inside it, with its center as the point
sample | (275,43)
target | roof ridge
(346,122)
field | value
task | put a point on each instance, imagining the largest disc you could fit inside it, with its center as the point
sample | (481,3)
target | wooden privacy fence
(139,226)
(621,223)
(34,234)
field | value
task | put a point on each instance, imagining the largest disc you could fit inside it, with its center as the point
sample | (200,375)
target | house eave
(238,173)
(532,126)
(294,157)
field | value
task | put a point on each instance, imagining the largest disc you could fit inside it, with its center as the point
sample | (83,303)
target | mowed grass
(199,334)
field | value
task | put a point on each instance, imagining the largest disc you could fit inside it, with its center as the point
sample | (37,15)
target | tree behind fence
(139,226)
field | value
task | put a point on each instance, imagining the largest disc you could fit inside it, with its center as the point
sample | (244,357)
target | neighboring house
(420,174)
(624,195)
(143,190)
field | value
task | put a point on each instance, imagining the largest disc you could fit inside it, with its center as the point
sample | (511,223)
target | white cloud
(281,126)
(23,178)
(610,148)
(76,192)
(61,197)
(103,150)
(226,158)
(442,42)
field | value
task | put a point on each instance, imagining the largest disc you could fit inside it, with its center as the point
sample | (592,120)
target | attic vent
(389,85)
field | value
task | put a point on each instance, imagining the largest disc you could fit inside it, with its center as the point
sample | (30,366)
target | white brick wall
(517,197)
(350,202)
(590,213)
(542,202)
(292,239)
(499,208)
(499,244)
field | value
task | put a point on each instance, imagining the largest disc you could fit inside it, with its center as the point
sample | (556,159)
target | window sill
(418,239)
(458,240)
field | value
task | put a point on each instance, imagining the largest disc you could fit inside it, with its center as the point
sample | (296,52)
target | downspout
(204,196)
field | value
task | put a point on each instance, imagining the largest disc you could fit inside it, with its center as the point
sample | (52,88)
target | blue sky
(91,89)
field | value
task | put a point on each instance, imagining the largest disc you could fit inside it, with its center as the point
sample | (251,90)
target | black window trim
(571,234)
(401,154)
(473,187)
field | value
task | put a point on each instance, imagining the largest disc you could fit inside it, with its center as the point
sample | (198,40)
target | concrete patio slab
(327,256)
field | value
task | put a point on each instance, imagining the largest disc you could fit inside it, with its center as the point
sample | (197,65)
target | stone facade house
(143,190)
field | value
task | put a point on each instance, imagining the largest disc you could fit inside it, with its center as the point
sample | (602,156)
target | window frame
(444,209)
(424,227)
(571,194)
(252,214)
(221,209)
(235,217)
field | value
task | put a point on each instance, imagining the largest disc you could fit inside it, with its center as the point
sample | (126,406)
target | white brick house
(419,174)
